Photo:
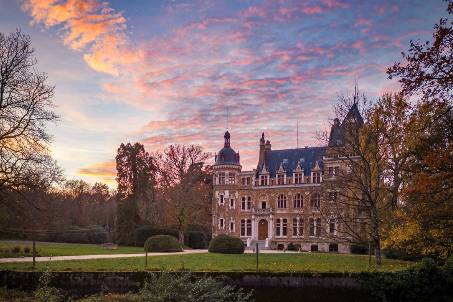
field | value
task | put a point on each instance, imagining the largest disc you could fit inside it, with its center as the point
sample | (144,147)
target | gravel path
(90,257)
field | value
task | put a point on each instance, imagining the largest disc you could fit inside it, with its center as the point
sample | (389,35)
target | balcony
(265,211)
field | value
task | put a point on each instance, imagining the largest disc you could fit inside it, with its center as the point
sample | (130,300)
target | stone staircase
(261,245)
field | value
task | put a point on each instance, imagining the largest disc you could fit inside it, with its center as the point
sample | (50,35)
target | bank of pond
(425,281)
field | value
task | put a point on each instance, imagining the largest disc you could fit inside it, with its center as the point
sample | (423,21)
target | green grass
(63,249)
(306,262)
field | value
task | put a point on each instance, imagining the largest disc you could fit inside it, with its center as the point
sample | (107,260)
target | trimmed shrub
(142,233)
(293,247)
(16,250)
(359,249)
(226,245)
(162,243)
(195,240)
(27,250)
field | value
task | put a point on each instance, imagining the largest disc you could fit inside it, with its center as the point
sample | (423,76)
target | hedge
(425,281)
(195,240)
(226,245)
(73,234)
(144,232)
(162,243)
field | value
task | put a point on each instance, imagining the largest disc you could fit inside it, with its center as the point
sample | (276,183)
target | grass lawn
(305,262)
(62,249)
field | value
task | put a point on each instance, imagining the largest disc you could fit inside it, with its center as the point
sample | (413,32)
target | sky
(165,72)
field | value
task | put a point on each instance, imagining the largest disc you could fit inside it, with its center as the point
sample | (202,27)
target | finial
(356,92)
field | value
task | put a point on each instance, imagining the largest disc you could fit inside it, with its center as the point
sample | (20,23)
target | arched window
(281,201)
(298,201)
(315,201)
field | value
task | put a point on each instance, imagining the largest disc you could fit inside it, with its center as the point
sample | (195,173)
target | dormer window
(280,179)
(316,177)
(298,177)
(263,180)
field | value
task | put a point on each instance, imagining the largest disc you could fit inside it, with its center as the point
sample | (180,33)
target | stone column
(254,228)
(271,227)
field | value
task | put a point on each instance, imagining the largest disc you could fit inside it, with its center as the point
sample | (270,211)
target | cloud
(105,171)
(90,26)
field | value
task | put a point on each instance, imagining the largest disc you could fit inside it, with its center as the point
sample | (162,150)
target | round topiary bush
(162,243)
(226,245)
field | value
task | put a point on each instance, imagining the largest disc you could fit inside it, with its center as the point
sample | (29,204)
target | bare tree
(185,185)
(357,188)
(25,109)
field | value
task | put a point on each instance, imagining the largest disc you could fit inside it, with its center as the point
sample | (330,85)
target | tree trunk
(181,237)
(377,249)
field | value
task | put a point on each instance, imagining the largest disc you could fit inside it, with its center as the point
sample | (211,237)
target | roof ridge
(304,148)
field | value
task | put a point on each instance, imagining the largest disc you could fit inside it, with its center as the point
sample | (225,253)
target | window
(330,171)
(298,201)
(221,223)
(333,248)
(316,177)
(263,180)
(263,205)
(298,178)
(281,201)
(282,227)
(231,226)
(221,178)
(298,227)
(231,203)
(231,178)
(246,227)
(246,203)
(315,227)
(318,227)
(314,248)
(333,196)
(246,181)
(332,227)
(280,179)
(315,201)
(221,199)
(336,171)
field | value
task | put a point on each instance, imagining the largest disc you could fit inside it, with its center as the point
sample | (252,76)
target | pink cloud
(90,26)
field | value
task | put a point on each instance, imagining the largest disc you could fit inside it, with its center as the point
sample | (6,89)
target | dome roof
(227,155)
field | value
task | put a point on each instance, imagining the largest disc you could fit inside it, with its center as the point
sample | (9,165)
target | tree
(136,185)
(424,218)
(361,182)
(185,183)
(428,67)
(25,109)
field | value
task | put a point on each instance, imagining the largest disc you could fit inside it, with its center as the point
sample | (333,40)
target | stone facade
(286,199)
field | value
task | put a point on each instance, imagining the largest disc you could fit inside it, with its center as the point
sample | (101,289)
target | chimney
(261,156)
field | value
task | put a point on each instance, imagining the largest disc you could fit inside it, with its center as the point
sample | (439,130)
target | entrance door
(262,229)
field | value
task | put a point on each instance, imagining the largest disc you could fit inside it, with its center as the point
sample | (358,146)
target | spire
(356,92)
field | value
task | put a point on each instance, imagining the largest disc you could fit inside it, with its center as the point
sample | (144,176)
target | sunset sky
(163,72)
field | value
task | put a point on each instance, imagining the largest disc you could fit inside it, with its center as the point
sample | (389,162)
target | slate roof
(337,130)
(307,157)
(227,155)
